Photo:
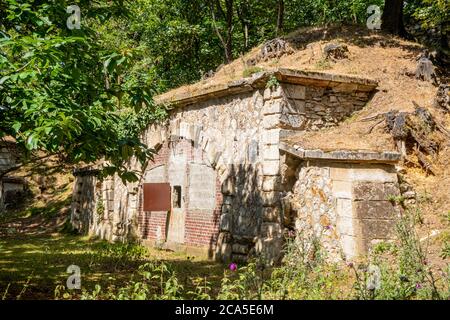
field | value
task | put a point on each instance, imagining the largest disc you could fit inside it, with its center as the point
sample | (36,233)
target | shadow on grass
(37,264)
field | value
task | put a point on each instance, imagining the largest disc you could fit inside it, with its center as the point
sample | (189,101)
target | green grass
(248,72)
(32,266)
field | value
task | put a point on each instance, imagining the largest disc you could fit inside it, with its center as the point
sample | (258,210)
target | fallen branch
(424,163)
(377,116)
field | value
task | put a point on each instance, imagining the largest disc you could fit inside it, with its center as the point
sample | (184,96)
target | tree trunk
(243,13)
(229,18)
(227,15)
(392,18)
(280,18)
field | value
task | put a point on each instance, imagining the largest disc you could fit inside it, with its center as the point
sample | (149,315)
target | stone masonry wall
(7,159)
(106,209)
(236,139)
(226,135)
(308,108)
(345,205)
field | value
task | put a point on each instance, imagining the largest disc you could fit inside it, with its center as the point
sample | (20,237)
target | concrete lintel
(341,155)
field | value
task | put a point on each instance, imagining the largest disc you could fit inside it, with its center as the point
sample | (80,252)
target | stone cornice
(341,155)
(259,81)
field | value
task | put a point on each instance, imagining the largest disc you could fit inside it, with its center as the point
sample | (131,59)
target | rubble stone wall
(345,205)
(236,139)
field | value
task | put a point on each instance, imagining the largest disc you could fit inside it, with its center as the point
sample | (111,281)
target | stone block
(345,87)
(228,200)
(267,94)
(196,132)
(226,208)
(295,91)
(341,174)
(375,173)
(369,191)
(272,183)
(202,185)
(204,141)
(271,121)
(294,107)
(313,154)
(346,225)
(271,230)
(271,152)
(5,162)
(239,258)
(273,107)
(348,245)
(271,168)
(375,210)
(240,248)
(369,173)
(273,93)
(271,214)
(270,199)
(377,229)
(271,136)
(184,129)
(175,127)
(342,189)
(293,121)
(229,187)
(253,151)
(223,247)
(344,207)
(225,222)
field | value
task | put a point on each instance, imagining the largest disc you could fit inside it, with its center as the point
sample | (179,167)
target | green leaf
(16,126)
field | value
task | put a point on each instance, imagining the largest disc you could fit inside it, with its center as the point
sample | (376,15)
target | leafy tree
(61,90)
(434,15)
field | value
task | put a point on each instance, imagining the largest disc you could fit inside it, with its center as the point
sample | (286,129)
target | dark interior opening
(176,197)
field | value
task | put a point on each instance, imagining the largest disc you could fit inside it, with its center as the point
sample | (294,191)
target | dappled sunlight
(41,261)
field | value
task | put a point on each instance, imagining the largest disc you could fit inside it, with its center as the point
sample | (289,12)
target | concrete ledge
(259,81)
(341,155)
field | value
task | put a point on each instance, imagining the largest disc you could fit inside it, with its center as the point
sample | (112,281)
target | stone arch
(198,137)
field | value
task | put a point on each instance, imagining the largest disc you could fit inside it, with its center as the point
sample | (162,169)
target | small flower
(350,265)
(328,227)
(418,286)
(233,266)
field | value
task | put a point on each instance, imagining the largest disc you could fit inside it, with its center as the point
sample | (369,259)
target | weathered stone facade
(220,148)
(345,205)
(106,209)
